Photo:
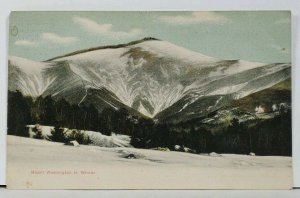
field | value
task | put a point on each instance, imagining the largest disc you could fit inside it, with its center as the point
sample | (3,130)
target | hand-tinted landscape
(149,102)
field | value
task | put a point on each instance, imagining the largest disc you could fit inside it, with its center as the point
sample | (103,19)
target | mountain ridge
(103,47)
(156,78)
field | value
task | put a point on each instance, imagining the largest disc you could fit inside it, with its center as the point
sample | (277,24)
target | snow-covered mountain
(149,76)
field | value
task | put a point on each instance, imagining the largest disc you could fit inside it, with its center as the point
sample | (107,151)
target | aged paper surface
(149,100)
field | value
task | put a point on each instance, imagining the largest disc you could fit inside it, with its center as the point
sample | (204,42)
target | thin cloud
(54,38)
(25,43)
(194,18)
(103,29)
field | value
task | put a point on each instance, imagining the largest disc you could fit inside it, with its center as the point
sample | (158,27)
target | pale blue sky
(263,36)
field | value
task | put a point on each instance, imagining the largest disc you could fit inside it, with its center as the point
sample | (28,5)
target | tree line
(267,137)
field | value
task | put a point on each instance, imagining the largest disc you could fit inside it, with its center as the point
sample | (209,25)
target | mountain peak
(154,77)
(105,47)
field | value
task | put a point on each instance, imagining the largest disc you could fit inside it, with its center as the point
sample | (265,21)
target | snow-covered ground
(43,164)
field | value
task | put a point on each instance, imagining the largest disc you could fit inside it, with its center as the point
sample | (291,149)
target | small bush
(80,137)
(58,135)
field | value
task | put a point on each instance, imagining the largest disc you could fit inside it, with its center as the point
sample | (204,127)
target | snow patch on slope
(31,76)
(227,89)
(29,67)
(166,49)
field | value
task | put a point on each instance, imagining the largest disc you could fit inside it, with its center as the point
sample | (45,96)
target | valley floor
(43,165)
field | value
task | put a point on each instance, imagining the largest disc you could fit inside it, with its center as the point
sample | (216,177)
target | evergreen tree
(18,113)
(58,135)
(48,114)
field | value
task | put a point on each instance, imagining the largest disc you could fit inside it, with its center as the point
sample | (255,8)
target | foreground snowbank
(152,169)
(115,140)
(97,138)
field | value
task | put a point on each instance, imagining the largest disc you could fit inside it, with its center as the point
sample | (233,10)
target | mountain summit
(149,76)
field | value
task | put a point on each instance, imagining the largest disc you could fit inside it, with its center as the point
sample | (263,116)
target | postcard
(149,100)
